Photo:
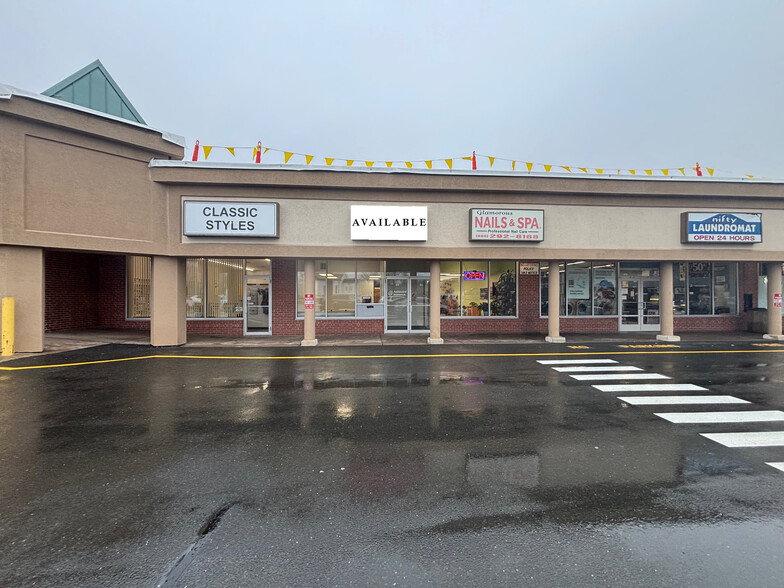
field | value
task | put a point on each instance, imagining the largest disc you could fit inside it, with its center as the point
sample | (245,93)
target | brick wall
(111,273)
(71,287)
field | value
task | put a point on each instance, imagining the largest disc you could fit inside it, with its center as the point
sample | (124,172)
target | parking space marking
(756,439)
(598,368)
(594,377)
(648,387)
(733,416)
(660,400)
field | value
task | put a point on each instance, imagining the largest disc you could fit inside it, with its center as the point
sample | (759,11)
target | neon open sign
(473,275)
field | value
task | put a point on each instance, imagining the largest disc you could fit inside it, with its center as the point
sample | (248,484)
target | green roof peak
(93,87)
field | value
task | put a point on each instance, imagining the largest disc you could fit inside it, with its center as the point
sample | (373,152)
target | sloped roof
(93,87)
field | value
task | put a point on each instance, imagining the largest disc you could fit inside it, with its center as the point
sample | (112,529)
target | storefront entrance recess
(408,305)
(257,306)
(639,297)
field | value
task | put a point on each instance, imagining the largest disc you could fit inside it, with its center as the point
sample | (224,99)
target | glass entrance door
(408,305)
(257,306)
(640,304)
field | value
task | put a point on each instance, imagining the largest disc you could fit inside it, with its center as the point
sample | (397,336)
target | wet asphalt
(473,466)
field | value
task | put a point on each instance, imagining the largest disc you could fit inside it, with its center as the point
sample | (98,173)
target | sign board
(388,223)
(506,224)
(309,302)
(201,218)
(777,300)
(529,269)
(726,228)
(474,275)
(577,283)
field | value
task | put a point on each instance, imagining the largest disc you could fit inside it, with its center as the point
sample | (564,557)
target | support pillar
(22,278)
(167,301)
(554,304)
(774,297)
(309,335)
(666,303)
(435,304)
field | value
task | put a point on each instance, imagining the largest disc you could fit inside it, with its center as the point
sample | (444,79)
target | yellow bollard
(8,327)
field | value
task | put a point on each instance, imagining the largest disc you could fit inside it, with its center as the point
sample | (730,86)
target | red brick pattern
(71,287)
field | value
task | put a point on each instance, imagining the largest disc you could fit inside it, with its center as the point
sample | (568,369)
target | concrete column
(22,278)
(553,305)
(167,301)
(666,303)
(309,338)
(774,312)
(435,304)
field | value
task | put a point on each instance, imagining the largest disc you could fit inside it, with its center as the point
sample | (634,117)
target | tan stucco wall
(22,278)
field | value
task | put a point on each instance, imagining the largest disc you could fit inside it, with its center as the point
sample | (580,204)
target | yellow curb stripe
(393,356)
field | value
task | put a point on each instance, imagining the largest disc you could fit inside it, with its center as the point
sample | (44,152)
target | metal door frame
(245,306)
(640,326)
(408,280)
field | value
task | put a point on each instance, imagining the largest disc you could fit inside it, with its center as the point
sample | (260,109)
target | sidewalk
(59,341)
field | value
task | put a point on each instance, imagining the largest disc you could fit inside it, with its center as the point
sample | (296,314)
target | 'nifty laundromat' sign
(201,218)
(721,227)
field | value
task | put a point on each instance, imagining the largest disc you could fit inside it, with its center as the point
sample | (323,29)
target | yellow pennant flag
(389,163)
(308,159)
(231,150)
(409,165)
(369,163)
(666,172)
(266,149)
(682,170)
(207,150)
(349,162)
(429,164)
(649,172)
(566,168)
(286,156)
(633,172)
(255,149)
(584,169)
(329,160)
(599,170)
(492,160)
(529,165)
(513,165)
(448,163)
(749,176)
(469,158)
(710,171)
(547,168)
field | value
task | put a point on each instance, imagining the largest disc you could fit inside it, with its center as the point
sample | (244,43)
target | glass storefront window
(588,288)
(257,267)
(703,287)
(478,288)
(700,288)
(450,288)
(224,287)
(341,285)
(474,290)
(724,289)
(604,288)
(679,288)
(194,288)
(138,280)
(503,288)
(578,284)
(368,282)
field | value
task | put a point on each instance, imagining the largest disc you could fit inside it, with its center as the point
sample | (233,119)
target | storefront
(179,247)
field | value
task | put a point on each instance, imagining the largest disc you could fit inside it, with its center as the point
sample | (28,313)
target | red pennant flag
(699,171)
(473,160)
(258,152)
(196,151)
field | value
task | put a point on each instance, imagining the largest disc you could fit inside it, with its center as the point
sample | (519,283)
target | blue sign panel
(722,227)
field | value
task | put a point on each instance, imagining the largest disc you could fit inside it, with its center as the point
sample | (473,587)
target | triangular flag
(666,172)
(599,170)
(513,165)
(369,163)
(633,172)
(409,165)
(749,176)
(349,162)
(286,156)
(329,160)
(682,170)
(492,160)
(584,169)
(710,171)
(389,163)
(255,150)
(529,165)
(649,172)
(266,149)
(448,163)
(566,168)
(429,164)
(547,168)
(469,158)
(207,149)
(231,150)
(308,159)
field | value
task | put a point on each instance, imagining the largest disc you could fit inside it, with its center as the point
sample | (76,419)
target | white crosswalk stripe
(594,377)
(648,387)
(779,465)
(756,439)
(573,361)
(733,416)
(659,400)
(597,368)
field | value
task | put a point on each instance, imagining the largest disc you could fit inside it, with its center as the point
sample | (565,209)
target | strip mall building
(104,225)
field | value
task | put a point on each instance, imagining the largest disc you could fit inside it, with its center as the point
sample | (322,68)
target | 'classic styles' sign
(388,223)
(506,224)
(229,219)
(721,227)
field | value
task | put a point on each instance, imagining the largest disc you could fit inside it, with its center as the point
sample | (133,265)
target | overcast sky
(601,84)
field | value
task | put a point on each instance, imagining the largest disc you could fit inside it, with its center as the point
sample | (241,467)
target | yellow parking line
(392,356)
